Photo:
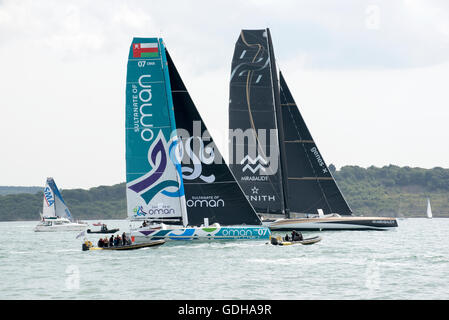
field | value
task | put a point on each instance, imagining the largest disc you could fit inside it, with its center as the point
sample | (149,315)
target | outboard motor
(274,241)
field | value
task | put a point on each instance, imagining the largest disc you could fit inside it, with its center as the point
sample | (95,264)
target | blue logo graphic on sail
(148,187)
(48,197)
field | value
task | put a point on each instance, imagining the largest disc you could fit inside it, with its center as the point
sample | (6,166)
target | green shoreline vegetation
(390,191)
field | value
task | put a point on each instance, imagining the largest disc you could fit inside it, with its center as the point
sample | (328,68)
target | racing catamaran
(272,153)
(178,187)
(55,215)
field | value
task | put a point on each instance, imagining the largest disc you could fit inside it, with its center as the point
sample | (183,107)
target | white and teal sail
(53,204)
(173,173)
(154,187)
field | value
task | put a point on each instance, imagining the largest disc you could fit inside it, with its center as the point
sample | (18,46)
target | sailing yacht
(272,153)
(55,215)
(429,209)
(177,185)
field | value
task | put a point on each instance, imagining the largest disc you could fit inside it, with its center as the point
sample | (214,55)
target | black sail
(310,183)
(254,141)
(211,190)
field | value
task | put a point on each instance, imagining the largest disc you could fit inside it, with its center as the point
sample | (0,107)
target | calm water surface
(411,262)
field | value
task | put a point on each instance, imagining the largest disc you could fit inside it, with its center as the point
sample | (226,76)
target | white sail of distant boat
(429,209)
(53,203)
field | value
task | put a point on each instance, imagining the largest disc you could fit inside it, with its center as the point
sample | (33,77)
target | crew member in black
(296,236)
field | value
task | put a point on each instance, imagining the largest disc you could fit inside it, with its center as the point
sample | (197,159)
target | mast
(278,113)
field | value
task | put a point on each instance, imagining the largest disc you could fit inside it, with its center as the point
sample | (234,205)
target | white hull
(211,233)
(332,223)
(72,227)
(52,224)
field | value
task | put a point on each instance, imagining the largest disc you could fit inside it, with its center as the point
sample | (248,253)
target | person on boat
(111,241)
(86,245)
(100,243)
(144,224)
(124,239)
(287,238)
(104,227)
(296,236)
(118,239)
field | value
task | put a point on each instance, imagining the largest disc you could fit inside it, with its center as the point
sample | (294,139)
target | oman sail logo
(154,181)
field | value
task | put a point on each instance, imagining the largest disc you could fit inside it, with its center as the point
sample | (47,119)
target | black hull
(155,243)
(307,241)
(107,231)
(333,224)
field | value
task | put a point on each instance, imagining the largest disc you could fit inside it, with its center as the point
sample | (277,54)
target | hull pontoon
(211,233)
(331,223)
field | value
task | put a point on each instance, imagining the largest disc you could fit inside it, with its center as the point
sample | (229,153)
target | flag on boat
(145,50)
(81,234)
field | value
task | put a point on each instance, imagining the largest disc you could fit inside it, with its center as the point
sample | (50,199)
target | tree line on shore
(388,191)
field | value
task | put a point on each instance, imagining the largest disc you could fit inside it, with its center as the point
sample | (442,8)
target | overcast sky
(371,78)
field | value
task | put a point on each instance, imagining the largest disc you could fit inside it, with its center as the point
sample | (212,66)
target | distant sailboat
(56,215)
(429,209)
(177,185)
(276,161)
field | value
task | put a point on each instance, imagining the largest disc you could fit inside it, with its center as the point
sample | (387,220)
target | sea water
(410,262)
